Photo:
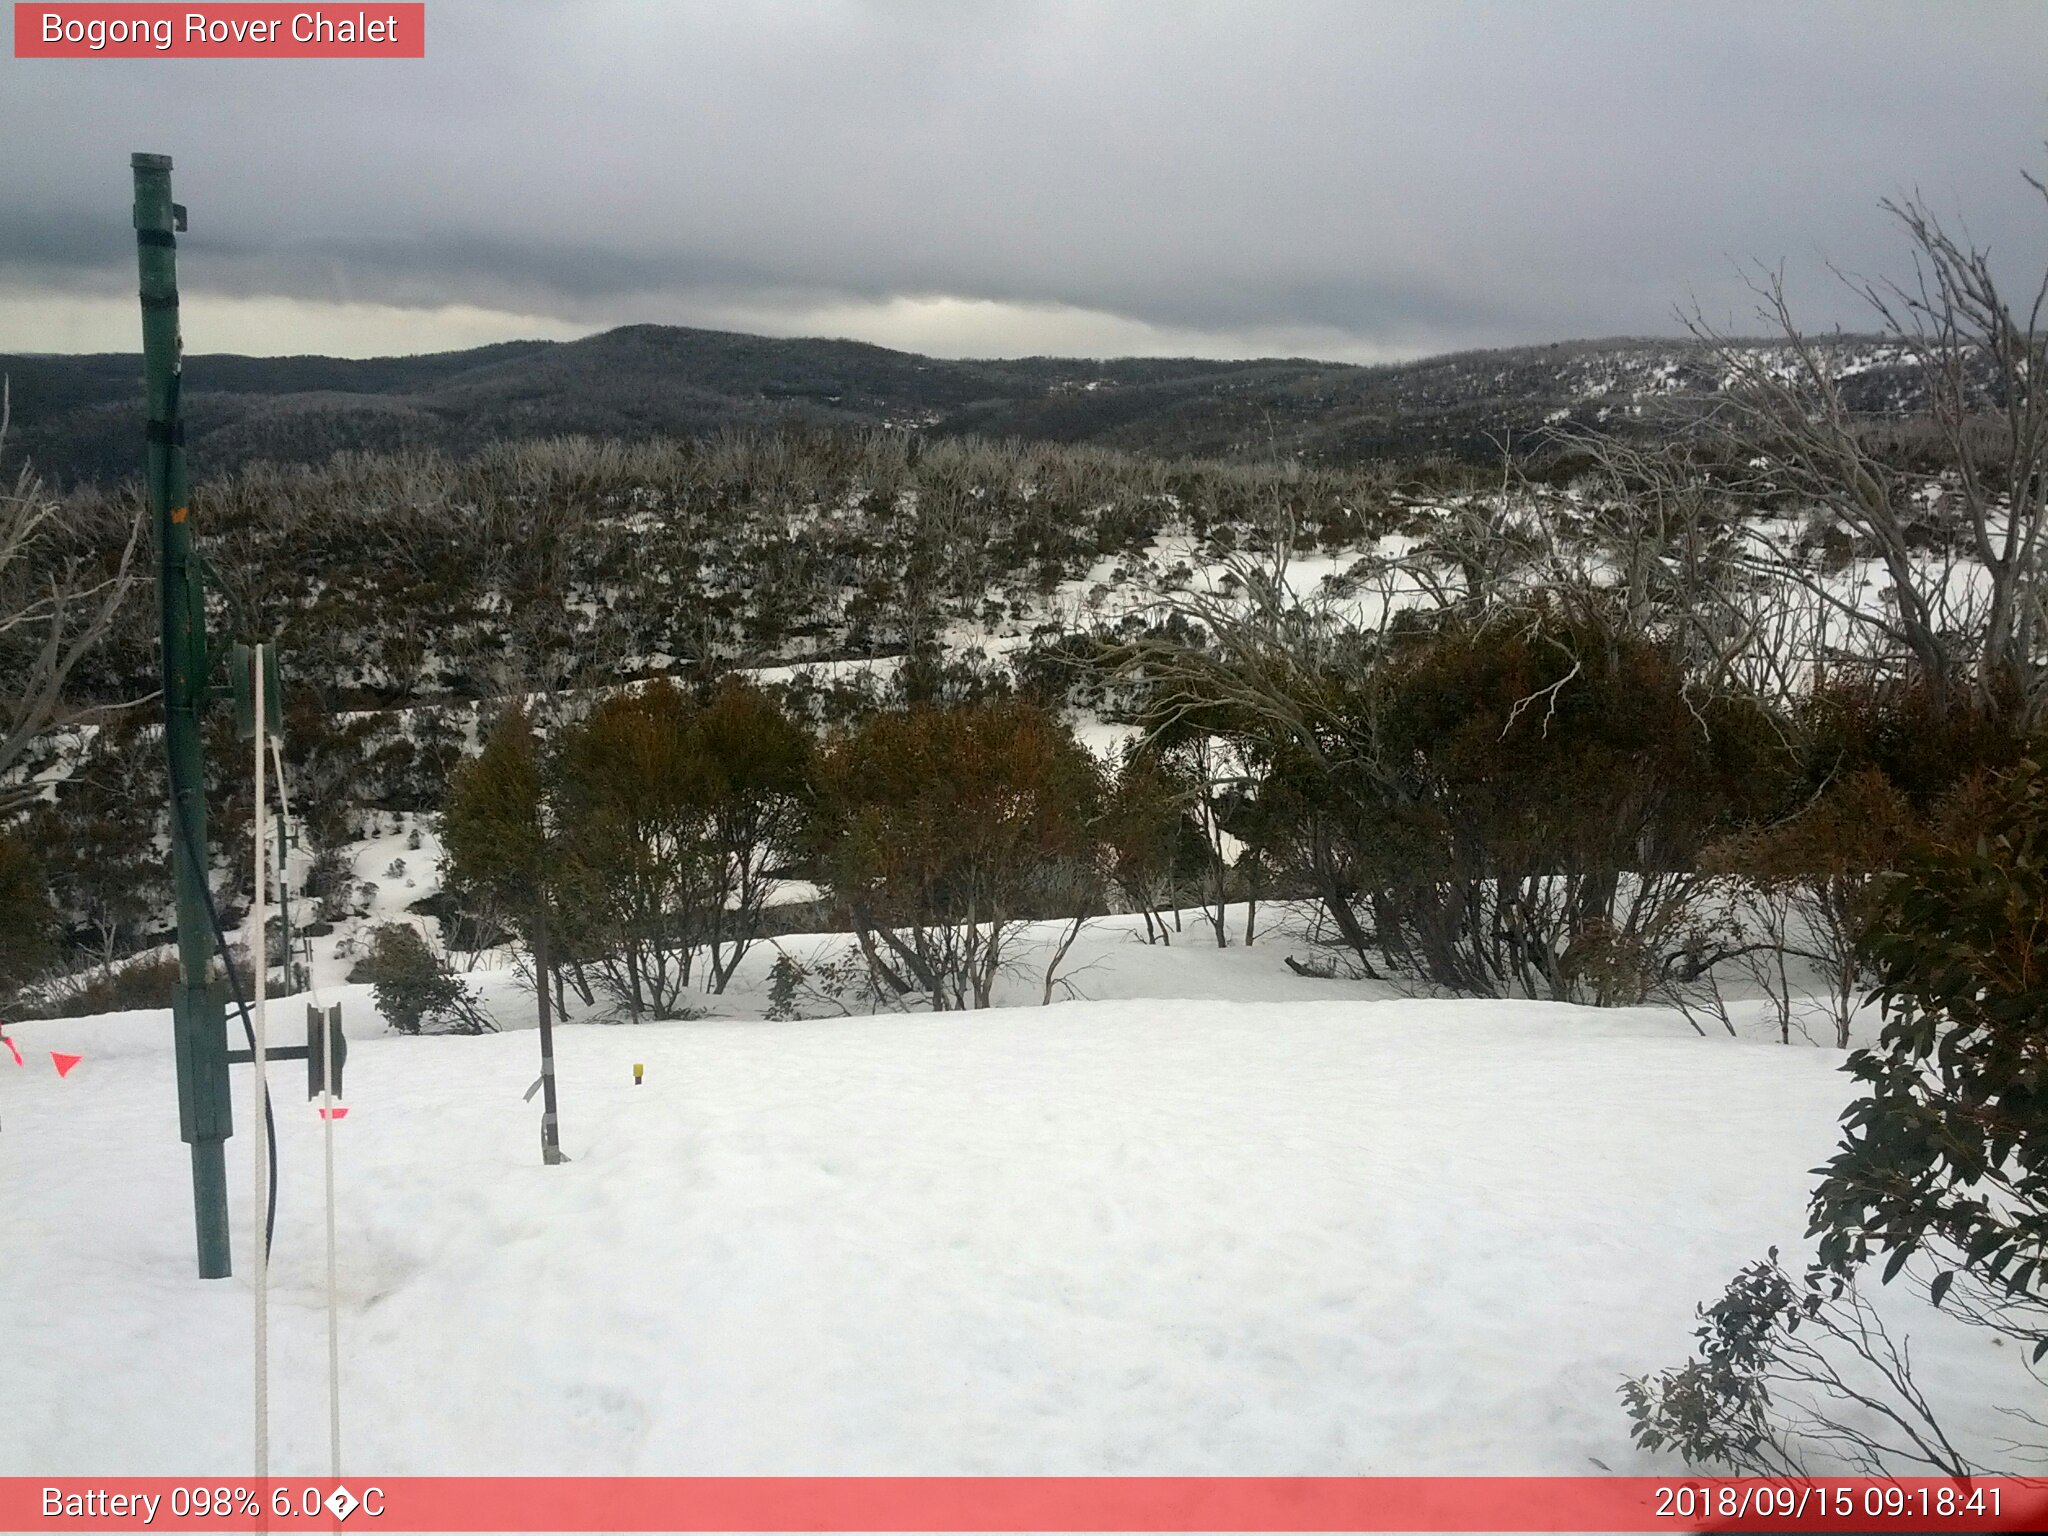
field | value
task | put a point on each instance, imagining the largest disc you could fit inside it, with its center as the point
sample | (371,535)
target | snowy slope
(1207,1235)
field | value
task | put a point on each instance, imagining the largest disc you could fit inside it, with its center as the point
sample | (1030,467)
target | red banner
(1022,1504)
(115,31)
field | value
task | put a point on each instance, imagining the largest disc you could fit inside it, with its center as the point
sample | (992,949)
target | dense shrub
(1517,805)
(1146,838)
(1946,1154)
(413,985)
(1942,1174)
(672,817)
(942,828)
(1808,882)
(501,866)
(25,916)
(143,982)
(103,833)
(1921,746)
(626,787)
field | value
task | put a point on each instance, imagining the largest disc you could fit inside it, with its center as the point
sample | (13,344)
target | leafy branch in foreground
(1947,1151)
(1789,1371)
(1945,1161)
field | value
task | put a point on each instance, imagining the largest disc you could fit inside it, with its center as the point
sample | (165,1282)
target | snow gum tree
(943,828)
(760,791)
(628,781)
(492,826)
(59,596)
(500,854)
(1142,829)
(1959,535)
(1501,801)
(25,916)
(673,816)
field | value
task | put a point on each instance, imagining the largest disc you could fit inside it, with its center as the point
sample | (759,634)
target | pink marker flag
(64,1063)
(8,1041)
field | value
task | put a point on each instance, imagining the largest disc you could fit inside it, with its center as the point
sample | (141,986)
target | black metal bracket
(274,1053)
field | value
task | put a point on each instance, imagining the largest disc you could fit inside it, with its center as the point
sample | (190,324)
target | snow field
(1211,1234)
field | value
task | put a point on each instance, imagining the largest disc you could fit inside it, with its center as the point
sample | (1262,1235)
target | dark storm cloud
(1402,176)
(60,241)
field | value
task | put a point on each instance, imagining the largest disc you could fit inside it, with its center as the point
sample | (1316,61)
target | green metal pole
(198,1008)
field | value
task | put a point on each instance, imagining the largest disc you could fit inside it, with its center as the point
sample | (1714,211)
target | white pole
(327,1137)
(333,1292)
(259,921)
(326,1115)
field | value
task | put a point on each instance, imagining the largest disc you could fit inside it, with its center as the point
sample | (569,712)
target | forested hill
(79,418)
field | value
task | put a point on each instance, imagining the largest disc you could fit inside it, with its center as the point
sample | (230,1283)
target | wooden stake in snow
(550,1125)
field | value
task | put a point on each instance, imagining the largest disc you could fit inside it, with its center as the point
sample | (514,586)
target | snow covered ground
(1218,1219)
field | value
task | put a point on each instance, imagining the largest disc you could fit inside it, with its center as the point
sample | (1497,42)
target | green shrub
(942,829)
(1792,1375)
(138,984)
(25,916)
(1947,1150)
(414,986)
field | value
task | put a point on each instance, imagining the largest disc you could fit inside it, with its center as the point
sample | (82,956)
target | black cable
(220,935)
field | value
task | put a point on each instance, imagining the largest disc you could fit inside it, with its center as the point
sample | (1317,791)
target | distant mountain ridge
(79,418)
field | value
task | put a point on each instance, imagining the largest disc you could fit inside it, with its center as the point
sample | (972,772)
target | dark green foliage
(759,789)
(1922,747)
(1511,805)
(1146,837)
(492,827)
(1946,1152)
(500,865)
(1061,669)
(632,879)
(26,920)
(1716,1410)
(103,839)
(1788,1374)
(1549,738)
(414,987)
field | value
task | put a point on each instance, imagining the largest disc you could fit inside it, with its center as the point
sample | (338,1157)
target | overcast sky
(1362,180)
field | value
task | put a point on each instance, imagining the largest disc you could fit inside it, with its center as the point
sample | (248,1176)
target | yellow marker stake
(637,1070)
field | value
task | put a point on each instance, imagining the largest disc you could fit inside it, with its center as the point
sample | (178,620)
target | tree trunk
(877,966)
(582,983)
